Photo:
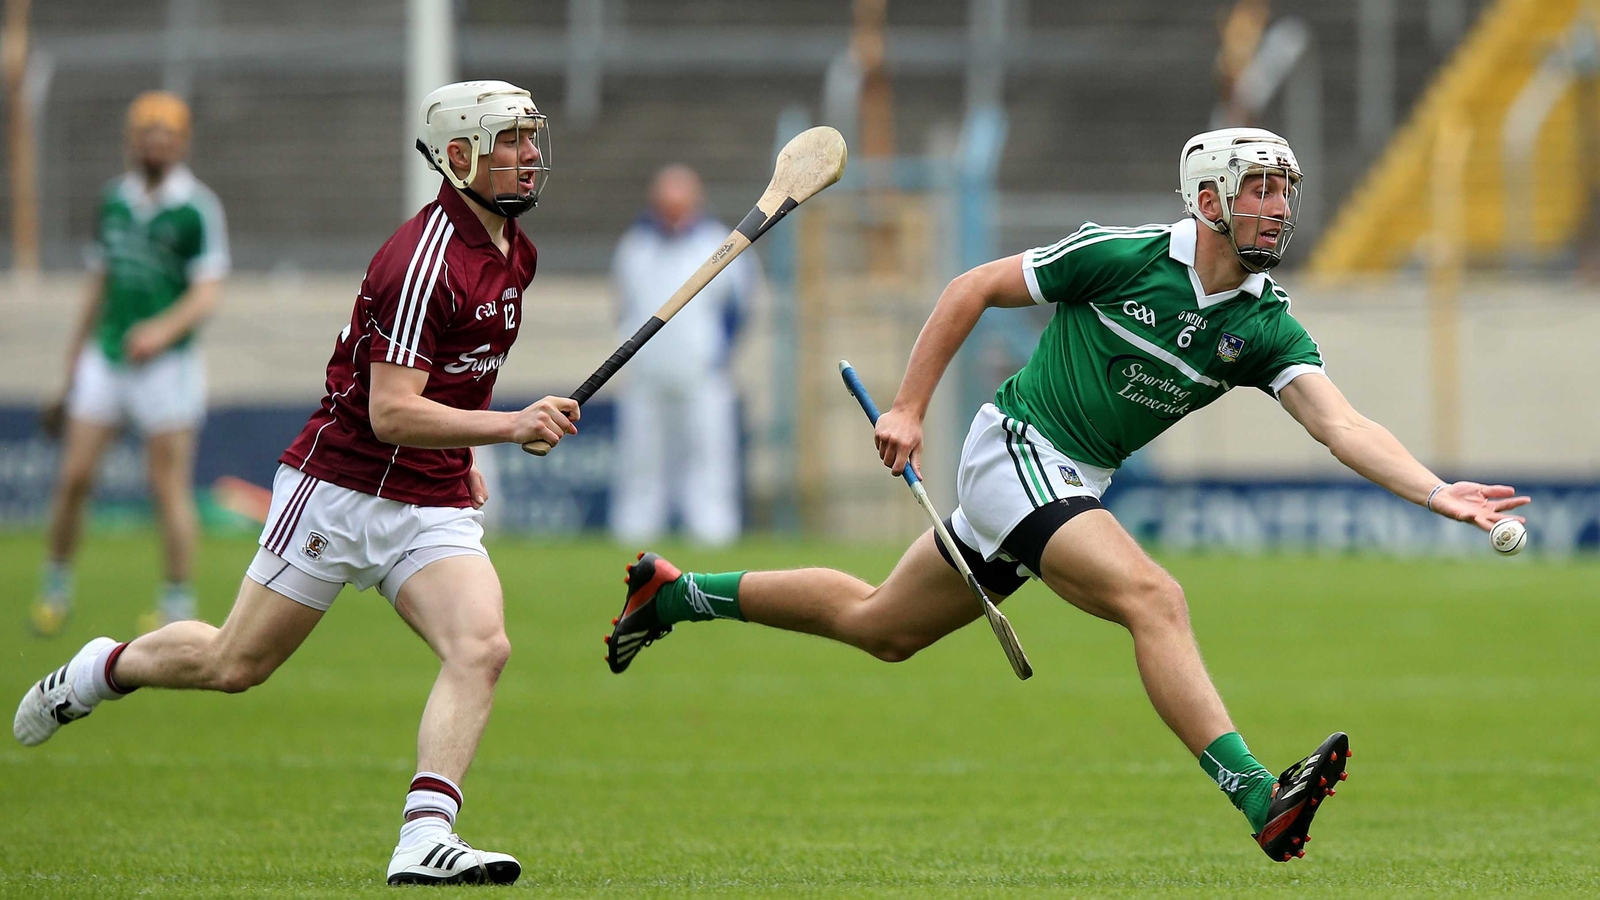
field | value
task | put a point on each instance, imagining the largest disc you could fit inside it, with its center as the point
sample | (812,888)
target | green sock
(698,597)
(56,585)
(176,601)
(1247,783)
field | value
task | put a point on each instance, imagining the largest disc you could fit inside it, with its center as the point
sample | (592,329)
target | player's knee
(893,647)
(170,492)
(77,481)
(893,653)
(497,654)
(865,626)
(486,655)
(1158,599)
(235,676)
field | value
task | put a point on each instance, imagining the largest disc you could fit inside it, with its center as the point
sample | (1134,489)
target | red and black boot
(1298,796)
(639,626)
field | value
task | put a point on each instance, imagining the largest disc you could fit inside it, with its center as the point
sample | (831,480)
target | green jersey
(1136,343)
(151,245)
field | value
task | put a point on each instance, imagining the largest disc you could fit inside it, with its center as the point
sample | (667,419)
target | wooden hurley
(806,165)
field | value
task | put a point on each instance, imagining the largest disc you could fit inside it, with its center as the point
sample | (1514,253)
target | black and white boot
(450,860)
(65,695)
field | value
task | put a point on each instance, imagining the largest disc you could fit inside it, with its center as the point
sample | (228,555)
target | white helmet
(476,112)
(1222,159)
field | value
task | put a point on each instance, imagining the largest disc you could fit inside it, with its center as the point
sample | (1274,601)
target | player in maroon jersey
(379,489)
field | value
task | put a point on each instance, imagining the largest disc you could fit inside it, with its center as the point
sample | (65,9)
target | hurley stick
(998,623)
(810,162)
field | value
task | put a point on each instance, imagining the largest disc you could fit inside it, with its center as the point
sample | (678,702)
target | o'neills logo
(1143,383)
(479,366)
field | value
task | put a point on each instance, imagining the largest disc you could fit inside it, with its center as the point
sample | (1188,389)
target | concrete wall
(1530,405)
(271,338)
(270,341)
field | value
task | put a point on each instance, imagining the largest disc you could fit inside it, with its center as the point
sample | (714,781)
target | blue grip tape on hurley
(853,383)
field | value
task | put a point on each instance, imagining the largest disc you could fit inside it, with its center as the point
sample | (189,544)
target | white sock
(423,828)
(90,682)
(431,808)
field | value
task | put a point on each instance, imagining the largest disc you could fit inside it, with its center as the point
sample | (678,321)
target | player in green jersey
(159,256)
(1150,324)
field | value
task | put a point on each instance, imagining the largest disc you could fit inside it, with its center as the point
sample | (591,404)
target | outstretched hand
(1481,504)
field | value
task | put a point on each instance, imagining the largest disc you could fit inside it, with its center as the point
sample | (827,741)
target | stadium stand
(283,120)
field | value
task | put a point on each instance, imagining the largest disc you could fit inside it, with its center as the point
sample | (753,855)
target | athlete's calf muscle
(921,601)
(262,631)
(455,605)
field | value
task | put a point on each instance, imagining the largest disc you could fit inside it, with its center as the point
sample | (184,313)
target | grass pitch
(736,761)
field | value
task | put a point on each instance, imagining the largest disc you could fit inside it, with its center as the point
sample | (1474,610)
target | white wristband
(1434,493)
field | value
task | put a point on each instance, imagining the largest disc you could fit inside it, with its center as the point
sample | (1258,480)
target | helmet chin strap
(508,205)
(1255,260)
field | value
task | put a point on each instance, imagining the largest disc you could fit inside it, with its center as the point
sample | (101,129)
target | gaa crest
(1071,476)
(315,544)
(1229,348)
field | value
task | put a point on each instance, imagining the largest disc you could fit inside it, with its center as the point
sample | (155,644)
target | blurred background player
(677,412)
(157,263)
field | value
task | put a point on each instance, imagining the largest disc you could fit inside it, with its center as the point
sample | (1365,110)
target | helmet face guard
(1237,224)
(532,128)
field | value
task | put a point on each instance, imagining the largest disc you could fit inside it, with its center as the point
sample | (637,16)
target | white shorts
(320,537)
(1007,471)
(167,393)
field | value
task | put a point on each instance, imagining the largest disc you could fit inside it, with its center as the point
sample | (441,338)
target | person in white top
(677,411)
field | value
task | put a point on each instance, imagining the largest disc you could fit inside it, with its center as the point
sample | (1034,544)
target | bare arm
(993,284)
(153,336)
(401,415)
(1370,451)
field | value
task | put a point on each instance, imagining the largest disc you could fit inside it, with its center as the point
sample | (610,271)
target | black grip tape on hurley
(623,354)
(756,223)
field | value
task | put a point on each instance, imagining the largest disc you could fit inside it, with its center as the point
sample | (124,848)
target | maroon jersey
(440,297)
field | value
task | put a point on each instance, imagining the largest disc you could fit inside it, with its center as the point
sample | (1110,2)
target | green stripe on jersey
(1133,346)
(1091,233)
